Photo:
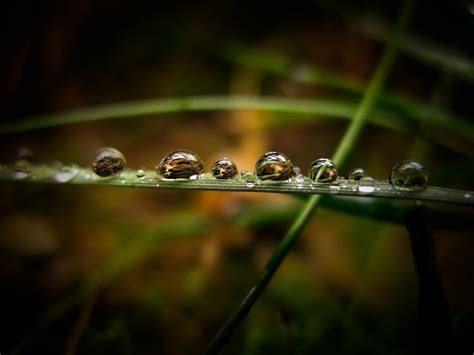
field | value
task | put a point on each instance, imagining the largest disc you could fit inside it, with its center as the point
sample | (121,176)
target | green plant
(399,114)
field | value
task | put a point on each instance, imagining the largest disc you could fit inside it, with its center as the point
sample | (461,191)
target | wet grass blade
(341,154)
(74,175)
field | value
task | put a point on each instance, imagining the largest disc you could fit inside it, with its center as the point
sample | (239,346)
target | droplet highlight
(408,175)
(356,174)
(323,171)
(65,174)
(180,164)
(141,174)
(224,169)
(274,166)
(366,185)
(108,162)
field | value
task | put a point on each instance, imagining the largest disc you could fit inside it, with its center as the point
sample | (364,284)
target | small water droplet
(273,166)
(357,174)
(141,174)
(65,173)
(157,185)
(180,164)
(366,185)
(20,175)
(299,179)
(224,169)
(334,188)
(408,175)
(296,171)
(323,171)
(108,161)
(467,195)
(250,183)
(194,177)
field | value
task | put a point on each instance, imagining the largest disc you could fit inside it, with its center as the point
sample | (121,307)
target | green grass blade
(326,108)
(74,175)
(341,154)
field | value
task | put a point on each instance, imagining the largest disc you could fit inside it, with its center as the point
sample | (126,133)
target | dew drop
(194,177)
(250,183)
(323,171)
(273,166)
(366,185)
(65,174)
(108,161)
(224,169)
(356,174)
(20,175)
(467,195)
(299,179)
(408,175)
(180,164)
(141,174)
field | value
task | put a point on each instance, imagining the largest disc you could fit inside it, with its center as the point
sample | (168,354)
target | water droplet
(250,183)
(334,188)
(108,161)
(467,195)
(141,174)
(20,175)
(323,170)
(273,166)
(157,185)
(357,174)
(408,175)
(65,173)
(194,177)
(366,185)
(296,171)
(180,164)
(23,165)
(224,169)
(299,179)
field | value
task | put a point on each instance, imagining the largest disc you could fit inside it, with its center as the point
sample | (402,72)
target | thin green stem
(342,151)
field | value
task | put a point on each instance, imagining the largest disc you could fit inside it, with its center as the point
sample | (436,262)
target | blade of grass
(340,156)
(74,175)
(415,46)
(323,107)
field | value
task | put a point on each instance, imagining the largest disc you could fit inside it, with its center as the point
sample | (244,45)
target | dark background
(100,270)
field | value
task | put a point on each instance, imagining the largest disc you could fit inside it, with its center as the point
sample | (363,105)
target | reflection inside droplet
(180,164)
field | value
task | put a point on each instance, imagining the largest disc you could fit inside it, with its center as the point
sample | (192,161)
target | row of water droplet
(271,166)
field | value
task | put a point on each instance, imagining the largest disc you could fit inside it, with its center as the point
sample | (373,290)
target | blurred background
(90,269)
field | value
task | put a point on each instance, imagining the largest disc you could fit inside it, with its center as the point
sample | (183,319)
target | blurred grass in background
(94,270)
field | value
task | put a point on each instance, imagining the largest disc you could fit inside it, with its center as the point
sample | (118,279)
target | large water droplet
(323,170)
(180,164)
(366,185)
(409,176)
(65,174)
(224,169)
(108,161)
(273,166)
(356,174)
(141,174)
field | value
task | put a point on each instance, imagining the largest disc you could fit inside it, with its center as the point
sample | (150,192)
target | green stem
(342,151)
